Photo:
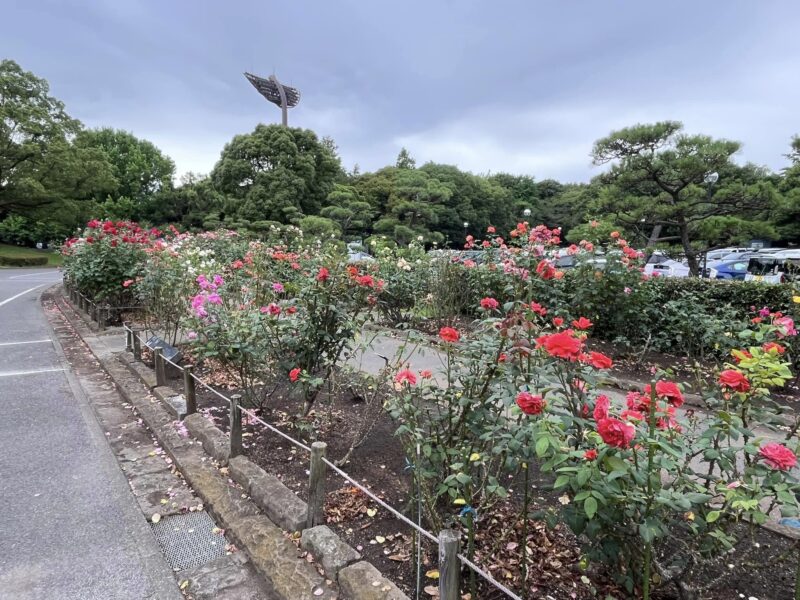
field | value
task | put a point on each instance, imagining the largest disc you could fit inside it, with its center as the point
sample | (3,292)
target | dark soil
(765,572)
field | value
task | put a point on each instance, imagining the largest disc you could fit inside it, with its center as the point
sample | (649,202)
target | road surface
(70,528)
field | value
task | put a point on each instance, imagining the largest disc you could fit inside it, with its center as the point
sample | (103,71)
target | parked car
(666,268)
(731,269)
(774,268)
(721,254)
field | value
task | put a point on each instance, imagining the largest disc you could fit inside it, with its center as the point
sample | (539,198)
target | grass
(53,257)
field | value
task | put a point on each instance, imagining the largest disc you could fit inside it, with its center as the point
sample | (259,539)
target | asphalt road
(70,527)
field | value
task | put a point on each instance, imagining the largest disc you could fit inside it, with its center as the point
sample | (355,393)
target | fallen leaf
(155,518)
(432,574)
(380,539)
(371,512)
(432,590)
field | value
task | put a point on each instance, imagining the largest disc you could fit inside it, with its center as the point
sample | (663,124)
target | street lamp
(466,225)
(710,179)
(526,213)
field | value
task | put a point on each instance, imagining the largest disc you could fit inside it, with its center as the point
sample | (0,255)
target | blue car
(731,269)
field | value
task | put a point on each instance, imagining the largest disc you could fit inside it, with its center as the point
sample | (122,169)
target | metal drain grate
(187,540)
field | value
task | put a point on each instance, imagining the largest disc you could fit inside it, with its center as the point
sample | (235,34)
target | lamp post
(466,225)
(710,179)
(526,213)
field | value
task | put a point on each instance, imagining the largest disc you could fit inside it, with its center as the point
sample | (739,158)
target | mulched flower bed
(379,464)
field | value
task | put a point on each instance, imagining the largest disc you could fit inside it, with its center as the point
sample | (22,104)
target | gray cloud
(506,86)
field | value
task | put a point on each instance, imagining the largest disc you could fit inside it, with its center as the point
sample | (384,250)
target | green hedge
(714,294)
(23,261)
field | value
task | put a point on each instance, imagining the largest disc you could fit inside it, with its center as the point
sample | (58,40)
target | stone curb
(280,504)
(268,548)
(270,552)
(362,581)
(333,553)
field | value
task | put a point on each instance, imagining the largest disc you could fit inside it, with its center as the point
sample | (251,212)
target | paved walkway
(70,528)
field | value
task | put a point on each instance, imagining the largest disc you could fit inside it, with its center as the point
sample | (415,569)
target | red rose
(449,335)
(734,380)
(502,358)
(127,283)
(561,345)
(323,274)
(778,456)
(294,374)
(582,323)
(538,309)
(599,360)
(426,374)
(365,280)
(615,432)
(770,346)
(489,304)
(558,321)
(530,404)
(590,454)
(601,408)
(406,376)
(668,390)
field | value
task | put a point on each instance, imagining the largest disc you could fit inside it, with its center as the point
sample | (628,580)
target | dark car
(732,269)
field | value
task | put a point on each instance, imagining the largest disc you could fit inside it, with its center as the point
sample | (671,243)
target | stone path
(158,487)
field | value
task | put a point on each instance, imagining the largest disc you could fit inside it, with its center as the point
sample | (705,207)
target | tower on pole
(274,91)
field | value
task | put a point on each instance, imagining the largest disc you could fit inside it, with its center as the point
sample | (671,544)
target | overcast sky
(522,87)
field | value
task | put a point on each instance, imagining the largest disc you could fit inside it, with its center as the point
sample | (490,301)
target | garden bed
(383,540)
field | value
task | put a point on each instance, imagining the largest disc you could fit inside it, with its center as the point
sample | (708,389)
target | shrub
(23,261)
(107,258)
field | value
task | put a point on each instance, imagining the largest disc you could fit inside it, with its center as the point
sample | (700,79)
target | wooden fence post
(189,391)
(101,317)
(316,486)
(128,336)
(236,425)
(449,566)
(158,363)
(137,345)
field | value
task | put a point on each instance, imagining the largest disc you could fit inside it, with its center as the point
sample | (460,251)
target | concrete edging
(260,536)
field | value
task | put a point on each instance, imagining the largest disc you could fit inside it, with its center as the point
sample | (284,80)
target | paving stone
(362,581)
(173,401)
(245,472)
(279,503)
(215,443)
(277,558)
(226,578)
(162,493)
(329,549)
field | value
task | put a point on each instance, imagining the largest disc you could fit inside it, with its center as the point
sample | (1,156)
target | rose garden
(590,433)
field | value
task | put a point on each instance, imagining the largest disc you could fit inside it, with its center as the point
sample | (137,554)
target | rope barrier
(422,531)
(285,436)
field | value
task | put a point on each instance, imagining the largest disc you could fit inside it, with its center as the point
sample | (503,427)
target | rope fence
(448,540)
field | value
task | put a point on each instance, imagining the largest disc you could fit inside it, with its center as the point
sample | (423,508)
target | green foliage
(276,173)
(141,170)
(658,177)
(22,261)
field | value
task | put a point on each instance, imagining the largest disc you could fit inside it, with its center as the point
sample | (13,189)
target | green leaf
(542,444)
(713,516)
(590,507)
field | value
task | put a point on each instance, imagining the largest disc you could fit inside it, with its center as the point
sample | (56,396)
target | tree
(404,160)
(415,205)
(44,176)
(786,215)
(659,178)
(345,207)
(276,173)
(140,169)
